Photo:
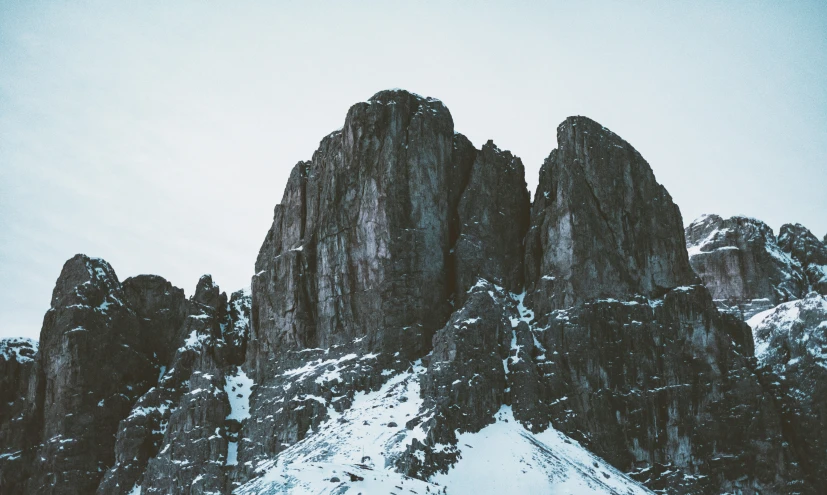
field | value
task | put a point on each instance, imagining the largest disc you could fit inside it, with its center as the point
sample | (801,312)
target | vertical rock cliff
(415,320)
(93,365)
(601,225)
(637,362)
(741,264)
(800,244)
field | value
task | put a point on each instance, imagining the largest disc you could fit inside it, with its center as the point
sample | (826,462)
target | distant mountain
(416,324)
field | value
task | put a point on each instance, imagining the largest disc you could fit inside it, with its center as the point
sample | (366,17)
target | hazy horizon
(160,137)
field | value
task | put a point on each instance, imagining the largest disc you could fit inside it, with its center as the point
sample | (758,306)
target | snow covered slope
(787,333)
(354,452)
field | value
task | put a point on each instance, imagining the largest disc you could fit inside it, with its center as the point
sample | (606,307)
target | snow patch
(238,387)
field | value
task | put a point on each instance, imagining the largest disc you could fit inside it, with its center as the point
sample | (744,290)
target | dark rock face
(493,217)
(161,309)
(404,269)
(601,225)
(360,241)
(635,360)
(662,389)
(811,254)
(177,437)
(393,217)
(18,416)
(94,366)
(465,383)
(740,263)
(791,343)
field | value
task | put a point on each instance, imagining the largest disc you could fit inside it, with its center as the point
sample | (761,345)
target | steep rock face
(177,437)
(465,382)
(798,242)
(601,225)
(634,359)
(493,219)
(740,263)
(18,416)
(160,308)
(394,216)
(94,365)
(661,388)
(791,341)
(359,243)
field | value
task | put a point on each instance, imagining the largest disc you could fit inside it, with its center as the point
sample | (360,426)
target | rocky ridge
(742,265)
(410,309)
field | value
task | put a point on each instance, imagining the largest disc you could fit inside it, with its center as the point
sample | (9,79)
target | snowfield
(354,452)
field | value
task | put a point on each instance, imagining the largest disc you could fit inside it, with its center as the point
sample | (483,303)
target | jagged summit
(741,263)
(413,321)
(798,242)
(602,226)
(397,95)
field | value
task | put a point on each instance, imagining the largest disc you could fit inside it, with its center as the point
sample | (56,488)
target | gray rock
(494,216)
(740,263)
(601,225)
(465,383)
(798,242)
(360,242)
(176,438)
(93,366)
(791,344)
(19,433)
(663,390)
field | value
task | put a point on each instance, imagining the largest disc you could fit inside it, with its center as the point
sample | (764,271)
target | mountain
(789,336)
(799,243)
(416,324)
(742,265)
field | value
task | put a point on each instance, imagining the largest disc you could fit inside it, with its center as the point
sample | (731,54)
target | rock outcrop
(360,241)
(465,382)
(635,359)
(801,245)
(601,225)
(791,344)
(178,436)
(390,222)
(741,264)
(493,219)
(414,319)
(18,416)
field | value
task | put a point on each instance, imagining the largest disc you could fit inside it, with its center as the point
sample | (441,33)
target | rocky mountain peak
(207,292)
(602,225)
(798,242)
(742,265)
(414,320)
(85,280)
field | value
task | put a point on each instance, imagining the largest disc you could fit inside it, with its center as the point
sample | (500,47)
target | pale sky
(159,135)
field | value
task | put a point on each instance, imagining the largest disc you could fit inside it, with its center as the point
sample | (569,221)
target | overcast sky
(159,137)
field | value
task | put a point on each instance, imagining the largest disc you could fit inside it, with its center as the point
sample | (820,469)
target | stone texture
(601,225)
(161,309)
(740,263)
(791,346)
(662,389)
(360,242)
(493,219)
(175,439)
(397,246)
(465,383)
(94,365)
(392,219)
(18,416)
(798,242)
(634,359)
